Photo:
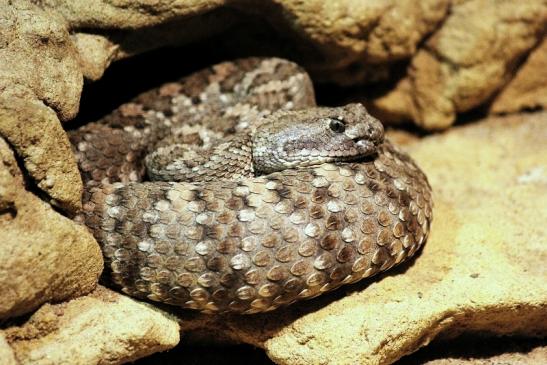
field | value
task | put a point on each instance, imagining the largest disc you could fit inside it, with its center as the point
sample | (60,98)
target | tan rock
(37,136)
(482,351)
(39,67)
(38,58)
(6,353)
(349,41)
(340,35)
(528,89)
(101,328)
(43,255)
(481,270)
(96,54)
(466,61)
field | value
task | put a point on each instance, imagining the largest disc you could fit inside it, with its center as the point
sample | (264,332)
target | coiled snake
(268,199)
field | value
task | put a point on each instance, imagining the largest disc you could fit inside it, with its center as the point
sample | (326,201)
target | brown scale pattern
(250,245)
(258,244)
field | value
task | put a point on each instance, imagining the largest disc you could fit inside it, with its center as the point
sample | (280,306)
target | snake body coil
(231,242)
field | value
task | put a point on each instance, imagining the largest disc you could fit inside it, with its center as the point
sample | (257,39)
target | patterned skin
(266,199)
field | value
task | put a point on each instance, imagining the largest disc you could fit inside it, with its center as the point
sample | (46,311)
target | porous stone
(480,271)
(96,54)
(528,89)
(6,352)
(40,83)
(43,255)
(36,134)
(337,40)
(37,57)
(103,327)
(465,62)
(478,350)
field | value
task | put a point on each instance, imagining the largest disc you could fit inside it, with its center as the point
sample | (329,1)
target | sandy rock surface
(460,54)
(38,138)
(6,352)
(481,270)
(101,328)
(483,267)
(515,354)
(466,61)
(340,33)
(528,89)
(39,60)
(40,83)
(43,255)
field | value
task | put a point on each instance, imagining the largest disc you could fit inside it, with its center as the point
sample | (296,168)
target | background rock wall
(421,61)
(418,60)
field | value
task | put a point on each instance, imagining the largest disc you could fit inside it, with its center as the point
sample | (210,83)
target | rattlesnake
(251,235)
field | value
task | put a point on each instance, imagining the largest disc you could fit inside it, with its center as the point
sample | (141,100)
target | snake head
(292,139)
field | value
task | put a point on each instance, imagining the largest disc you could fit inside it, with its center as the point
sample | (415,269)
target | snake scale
(263,198)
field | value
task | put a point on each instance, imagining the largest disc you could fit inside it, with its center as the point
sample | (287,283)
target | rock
(43,255)
(465,62)
(40,82)
(535,356)
(38,58)
(35,133)
(480,271)
(478,350)
(103,327)
(341,35)
(528,89)
(6,353)
(465,350)
(96,54)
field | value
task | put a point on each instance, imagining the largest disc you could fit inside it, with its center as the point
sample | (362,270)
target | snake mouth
(367,146)
(367,136)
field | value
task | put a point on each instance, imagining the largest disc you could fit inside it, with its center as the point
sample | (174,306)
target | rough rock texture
(39,60)
(528,89)
(477,350)
(6,352)
(465,350)
(537,356)
(101,328)
(483,267)
(39,140)
(469,58)
(481,270)
(339,34)
(40,82)
(471,52)
(43,255)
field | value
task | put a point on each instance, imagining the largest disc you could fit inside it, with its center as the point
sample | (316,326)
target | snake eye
(337,126)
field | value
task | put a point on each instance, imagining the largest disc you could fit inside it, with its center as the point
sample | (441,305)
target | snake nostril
(377,131)
(372,132)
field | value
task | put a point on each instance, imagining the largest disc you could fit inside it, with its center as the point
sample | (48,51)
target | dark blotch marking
(319,195)
(330,241)
(334,222)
